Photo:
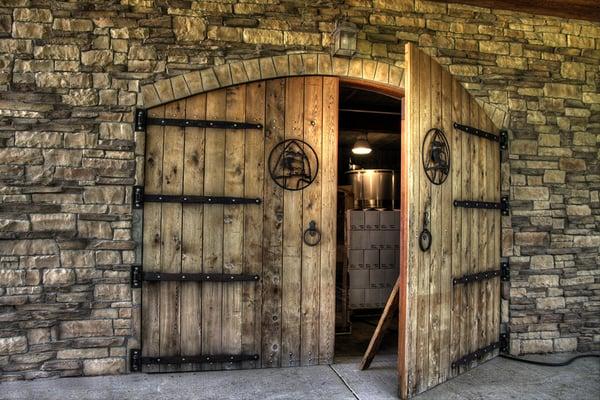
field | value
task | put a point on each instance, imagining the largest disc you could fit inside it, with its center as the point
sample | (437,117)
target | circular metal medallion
(436,156)
(293,164)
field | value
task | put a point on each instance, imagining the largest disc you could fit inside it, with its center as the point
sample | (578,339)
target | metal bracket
(503,139)
(139,198)
(142,121)
(136,361)
(477,277)
(477,204)
(504,271)
(477,354)
(504,206)
(505,342)
(477,132)
(138,276)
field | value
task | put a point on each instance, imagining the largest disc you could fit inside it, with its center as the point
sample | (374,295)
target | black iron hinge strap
(139,198)
(502,139)
(142,121)
(502,344)
(503,273)
(138,276)
(503,206)
(137,360)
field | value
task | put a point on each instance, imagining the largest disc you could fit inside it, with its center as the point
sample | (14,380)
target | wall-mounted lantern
(344,39)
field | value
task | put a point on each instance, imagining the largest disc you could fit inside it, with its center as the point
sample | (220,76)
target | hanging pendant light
(361,146)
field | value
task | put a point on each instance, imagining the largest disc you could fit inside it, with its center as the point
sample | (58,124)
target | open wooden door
(228,280)
(450,299)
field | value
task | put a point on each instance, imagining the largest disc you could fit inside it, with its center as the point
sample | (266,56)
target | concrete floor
(497,379)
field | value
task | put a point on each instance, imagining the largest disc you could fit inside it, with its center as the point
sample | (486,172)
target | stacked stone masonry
(72,73)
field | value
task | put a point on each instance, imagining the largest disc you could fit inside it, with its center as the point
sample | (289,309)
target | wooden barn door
(227,281)
(452,297)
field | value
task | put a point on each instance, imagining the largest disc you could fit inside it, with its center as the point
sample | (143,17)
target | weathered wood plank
(446,235)
(484,237)
(466,233)
(292,234)
(152,238)
(424,206)
(254,176)
(474,261)
(311,204)
(328,219)
(170,300)
(436,226)
(272,229)
(191,241)
(233,220)
(212,254)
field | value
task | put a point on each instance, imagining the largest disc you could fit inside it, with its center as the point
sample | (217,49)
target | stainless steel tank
(375,188)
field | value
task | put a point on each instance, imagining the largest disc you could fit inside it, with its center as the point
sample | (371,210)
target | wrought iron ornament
(436,156)
(312,236)
(293,164)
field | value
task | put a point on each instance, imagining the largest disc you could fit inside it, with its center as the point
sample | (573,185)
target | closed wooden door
(286,317)
(448,317)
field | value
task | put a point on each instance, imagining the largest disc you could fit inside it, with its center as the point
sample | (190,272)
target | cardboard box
(356,220)
(376,239)
(359,240)
(356,298)
(391,275)
(359,278)
(397,258)
(387,220)
(355,259)
(371,259)
(372,220)
(391,239)
(372,298)
(377,278)
(386,258)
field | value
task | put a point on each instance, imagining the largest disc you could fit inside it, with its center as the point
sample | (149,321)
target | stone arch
(238,72)
(271,67)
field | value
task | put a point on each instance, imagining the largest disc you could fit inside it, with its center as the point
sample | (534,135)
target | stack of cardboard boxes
(373,239)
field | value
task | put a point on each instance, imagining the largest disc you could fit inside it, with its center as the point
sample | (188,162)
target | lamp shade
(361,147)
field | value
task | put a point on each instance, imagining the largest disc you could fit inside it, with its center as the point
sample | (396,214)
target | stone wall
(70,78)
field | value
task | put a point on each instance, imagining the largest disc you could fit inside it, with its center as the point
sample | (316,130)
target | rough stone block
(550,303)
(112,292)
(531,193)
(104,366)
(531,238)
(565,344)
(542,262)
(94,229)
(59,277)
(562,90)
(53,222)
(86,328)
(13,345)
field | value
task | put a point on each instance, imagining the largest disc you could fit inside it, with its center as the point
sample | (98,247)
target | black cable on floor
(549,364)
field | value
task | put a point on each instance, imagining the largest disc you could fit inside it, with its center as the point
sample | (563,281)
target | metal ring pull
(312,236)
(425,235)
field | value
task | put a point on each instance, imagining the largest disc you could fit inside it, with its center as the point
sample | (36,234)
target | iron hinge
(477,277)
(505,342)
(135,360)
(477,132)
(504,206)
(503,139)
(138,276)
(139,198)
(504,271)
(142,121)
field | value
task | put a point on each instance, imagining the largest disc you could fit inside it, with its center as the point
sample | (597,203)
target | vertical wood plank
(446,234)
(171,235)
(152,239)
(328,218)
(212,254)
(484,237)
(474,230)
(272,229)
(436,226)
(253,221)
(466,234)
(457,344)
(496,248)
(191,241)
(233,223)
(311,204)
(292,234)
(423,264)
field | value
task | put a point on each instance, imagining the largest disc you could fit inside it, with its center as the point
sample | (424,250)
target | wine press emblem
(293,164)
(436,156)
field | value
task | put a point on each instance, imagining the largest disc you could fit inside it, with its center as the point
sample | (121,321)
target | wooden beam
(578,9)
(391,306)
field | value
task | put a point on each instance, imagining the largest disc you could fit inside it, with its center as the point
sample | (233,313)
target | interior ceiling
(579,9)
(368,112)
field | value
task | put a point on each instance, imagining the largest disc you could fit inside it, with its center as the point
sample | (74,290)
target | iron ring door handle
(312,236)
